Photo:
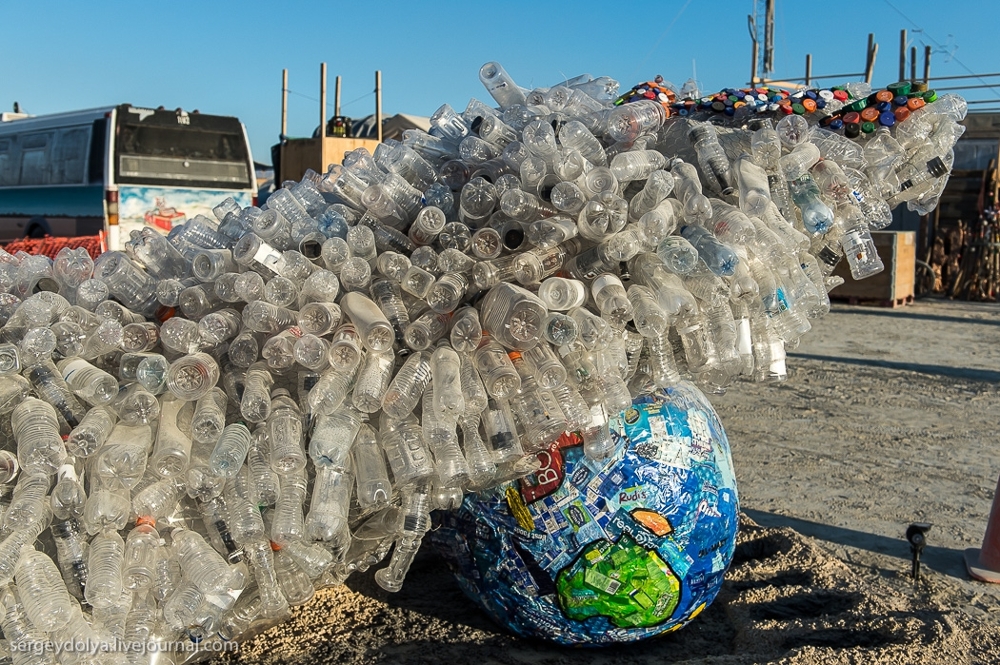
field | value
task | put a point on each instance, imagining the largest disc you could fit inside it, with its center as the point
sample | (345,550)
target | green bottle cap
(798,109)
(930,96)
(900,88)
(868,127)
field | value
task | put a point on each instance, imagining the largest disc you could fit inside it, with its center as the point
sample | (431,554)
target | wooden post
(284,103)
(902,55)
(927,65)
(753,64)
(809,68)
(868,52)
(322,99)
(378,103)
(336,97)
(870,71)
(913,64)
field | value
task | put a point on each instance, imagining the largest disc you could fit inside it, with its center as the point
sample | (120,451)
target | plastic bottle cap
(884,106)
(840,95)
(275,546)
(884,96)
(887,119)
(826,95)
(868,127)
(785,108)
(902,113)
(798,109)
(851,129)
(836,124)
(145,519)
(820,103)
(900,87)
(899,100)
(718,106)
(809,105)
(870,114)
(731,110)
(916,103)
(930,96)
(852,118)
(514,355)
(811,94)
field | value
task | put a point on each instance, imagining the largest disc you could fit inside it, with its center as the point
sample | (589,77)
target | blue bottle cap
(821,103)
(887,119)
(836,124)
(884,106)
(730,110)
(900,100)
(811,94)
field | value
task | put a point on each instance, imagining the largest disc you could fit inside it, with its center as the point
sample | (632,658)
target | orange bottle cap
(884,95)
(915,103)
(870,114)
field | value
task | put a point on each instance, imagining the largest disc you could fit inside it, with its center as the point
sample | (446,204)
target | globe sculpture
(588,552)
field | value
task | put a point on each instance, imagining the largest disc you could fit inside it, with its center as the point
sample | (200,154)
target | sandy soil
(888,417)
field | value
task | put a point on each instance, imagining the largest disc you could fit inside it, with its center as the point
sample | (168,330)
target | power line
(940,46)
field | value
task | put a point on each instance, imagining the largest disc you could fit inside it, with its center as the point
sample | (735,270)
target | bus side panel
(69,211)
(166,207)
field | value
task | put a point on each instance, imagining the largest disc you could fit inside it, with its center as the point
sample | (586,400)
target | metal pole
(913,63)
(902,55)
(753,65)
(868,52)
(378,103)
(809,68)
(284,103)
(336,97)
(927,64)
(322,99)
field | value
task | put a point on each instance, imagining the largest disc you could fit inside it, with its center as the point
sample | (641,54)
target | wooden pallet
(873,302)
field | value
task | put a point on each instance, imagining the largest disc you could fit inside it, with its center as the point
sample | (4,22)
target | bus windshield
(180,149)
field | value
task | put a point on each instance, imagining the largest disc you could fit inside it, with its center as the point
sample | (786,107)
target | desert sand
(888,417)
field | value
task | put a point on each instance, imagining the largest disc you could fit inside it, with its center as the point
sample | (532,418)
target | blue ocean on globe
(587,552)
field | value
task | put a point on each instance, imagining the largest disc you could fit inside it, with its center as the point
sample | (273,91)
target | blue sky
(227,57)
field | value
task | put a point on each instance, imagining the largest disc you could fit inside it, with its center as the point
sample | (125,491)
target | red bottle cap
(902,113)
(840,94)
(852,118)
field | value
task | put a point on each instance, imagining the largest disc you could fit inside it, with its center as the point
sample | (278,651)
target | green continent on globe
(629,584)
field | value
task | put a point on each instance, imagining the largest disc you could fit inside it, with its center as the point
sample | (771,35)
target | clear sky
(226,57)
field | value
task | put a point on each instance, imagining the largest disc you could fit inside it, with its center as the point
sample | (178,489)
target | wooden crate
(891,287)
(317,154)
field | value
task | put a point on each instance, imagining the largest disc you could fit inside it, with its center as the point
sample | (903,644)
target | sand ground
(888,417)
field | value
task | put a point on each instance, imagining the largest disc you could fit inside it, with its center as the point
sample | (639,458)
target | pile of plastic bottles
(201,429)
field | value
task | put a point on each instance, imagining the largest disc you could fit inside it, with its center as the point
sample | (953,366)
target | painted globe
(589,552)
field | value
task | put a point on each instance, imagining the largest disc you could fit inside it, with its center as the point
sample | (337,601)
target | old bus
(119,168)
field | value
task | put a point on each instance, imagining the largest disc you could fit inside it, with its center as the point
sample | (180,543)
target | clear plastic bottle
(719,258)
(286,434)
(90,383)
(416,522)
(402,441)
(35,426)
(407,386)
(373,327)
(209,417)
(441,438)
(466,330)
(288,523)
(46,601)
(91,433)
(332,438)
(327,517)
(231,450)
(68,496)
(71,554)
(373,486)
(612,299)
(372,382)
(50,386)
(562,294)
(426,329)
(142,549)
(629,121)
(191,377)
(105,582)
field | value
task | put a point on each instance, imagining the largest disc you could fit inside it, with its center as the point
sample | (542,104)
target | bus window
(35,158)
(153,151)
(7,176)
(98,141)
(70,156)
